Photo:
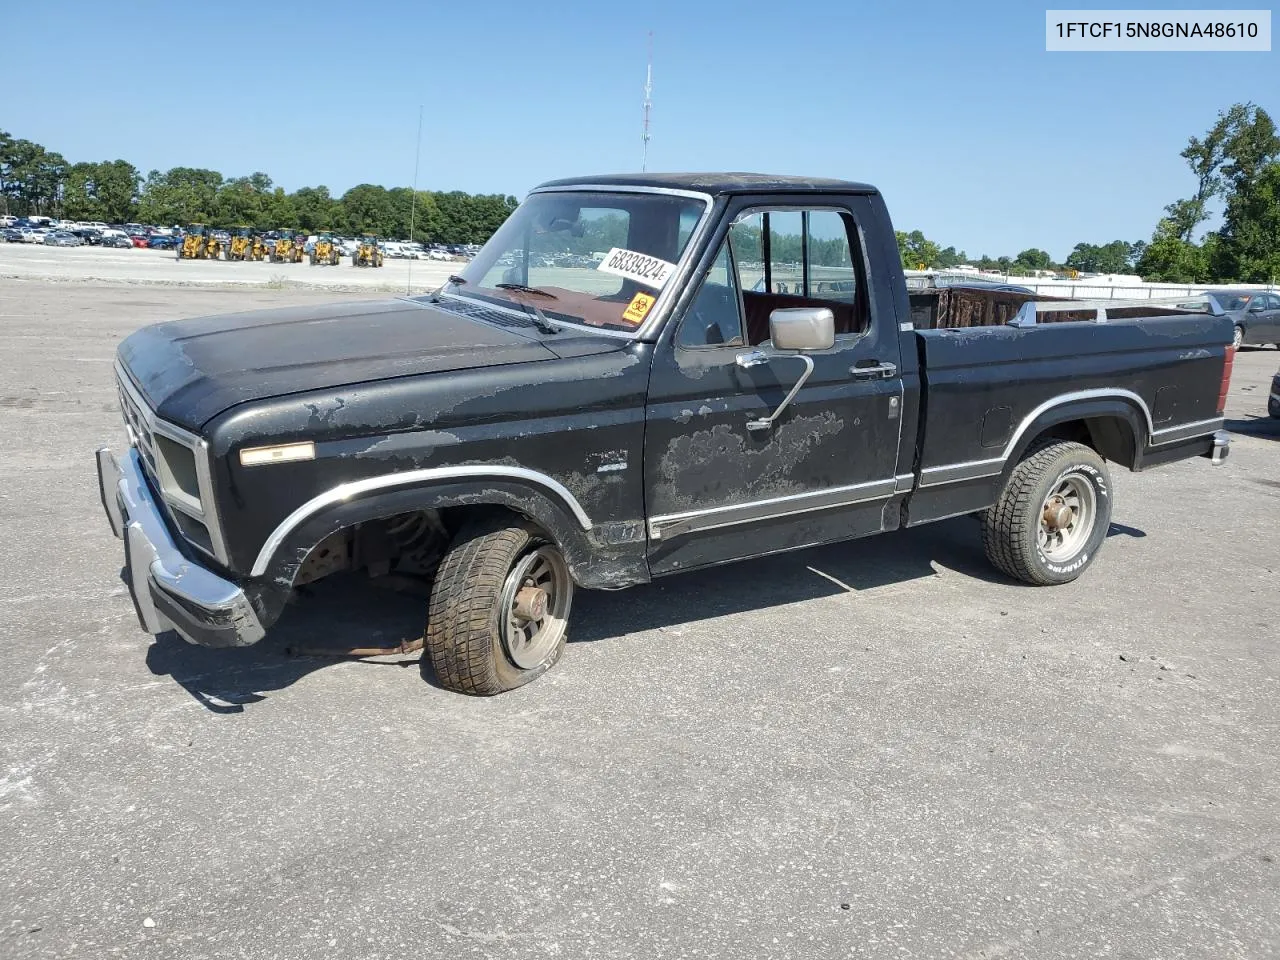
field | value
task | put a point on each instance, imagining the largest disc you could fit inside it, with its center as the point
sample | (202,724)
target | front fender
(606,556)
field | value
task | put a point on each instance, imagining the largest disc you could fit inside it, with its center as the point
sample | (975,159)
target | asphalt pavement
(878,749)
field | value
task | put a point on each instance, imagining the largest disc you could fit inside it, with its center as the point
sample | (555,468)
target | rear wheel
(499,608)
(1052,515)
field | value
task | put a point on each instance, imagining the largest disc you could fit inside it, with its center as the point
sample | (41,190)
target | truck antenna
(648,105)
(413,203)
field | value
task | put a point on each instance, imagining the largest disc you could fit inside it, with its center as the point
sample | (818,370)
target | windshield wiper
(539,318)
(522,288)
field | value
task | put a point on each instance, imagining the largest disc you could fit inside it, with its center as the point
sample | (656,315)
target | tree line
(35,180)
(1237,164)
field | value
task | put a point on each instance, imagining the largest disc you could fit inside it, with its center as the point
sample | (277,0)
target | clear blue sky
(974,133)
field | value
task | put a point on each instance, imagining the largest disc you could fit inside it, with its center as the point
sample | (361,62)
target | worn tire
(463,642)
(1010,528)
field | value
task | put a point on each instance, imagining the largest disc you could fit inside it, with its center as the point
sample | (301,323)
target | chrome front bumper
(169,591)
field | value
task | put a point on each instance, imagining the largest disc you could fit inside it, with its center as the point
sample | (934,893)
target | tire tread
(1006,524)
(459,635)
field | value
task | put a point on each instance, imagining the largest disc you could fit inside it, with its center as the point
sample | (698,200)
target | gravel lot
(873,750)
(33,261)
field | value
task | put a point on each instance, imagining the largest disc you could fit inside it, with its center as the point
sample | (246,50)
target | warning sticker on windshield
(639,267)
(639,308)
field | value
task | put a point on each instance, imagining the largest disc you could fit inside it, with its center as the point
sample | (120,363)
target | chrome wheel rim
(1237,338)
(535,606)
(1067,517)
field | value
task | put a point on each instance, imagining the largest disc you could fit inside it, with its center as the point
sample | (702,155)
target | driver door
(718,486)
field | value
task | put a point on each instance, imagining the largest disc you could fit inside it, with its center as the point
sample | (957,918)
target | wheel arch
(1116,425)
(536,498)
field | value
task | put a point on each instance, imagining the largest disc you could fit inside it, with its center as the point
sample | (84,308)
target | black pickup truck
(636,376)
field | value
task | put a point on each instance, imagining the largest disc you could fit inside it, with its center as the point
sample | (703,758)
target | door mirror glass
(802,328)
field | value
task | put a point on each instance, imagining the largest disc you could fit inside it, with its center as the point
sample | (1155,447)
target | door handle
(880,371)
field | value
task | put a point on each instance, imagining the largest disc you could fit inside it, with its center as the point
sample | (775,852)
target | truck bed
(991,389)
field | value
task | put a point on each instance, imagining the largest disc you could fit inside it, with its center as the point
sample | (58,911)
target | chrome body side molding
(711,518)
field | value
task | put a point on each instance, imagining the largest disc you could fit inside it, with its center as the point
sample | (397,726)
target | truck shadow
(951,546)
(349,612)
(1256,426)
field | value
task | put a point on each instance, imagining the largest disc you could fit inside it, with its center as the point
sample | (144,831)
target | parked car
(611,426)
(34,235)
(159,241)
(140,240)
(62,238)
(1273,401)
(11,235)
(1255,313)
(118,240)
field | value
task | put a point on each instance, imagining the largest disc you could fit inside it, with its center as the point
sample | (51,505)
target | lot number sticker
(639,307)
(639,267)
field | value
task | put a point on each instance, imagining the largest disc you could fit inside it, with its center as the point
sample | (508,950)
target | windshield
(592,257)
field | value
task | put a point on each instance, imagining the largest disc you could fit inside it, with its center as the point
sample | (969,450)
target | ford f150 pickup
(636,376)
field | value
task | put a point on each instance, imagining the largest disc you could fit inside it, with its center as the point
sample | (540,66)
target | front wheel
(499,608)
(1237,337)
(1052,516)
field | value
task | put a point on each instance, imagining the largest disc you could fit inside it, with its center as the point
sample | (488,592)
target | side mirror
(802,328)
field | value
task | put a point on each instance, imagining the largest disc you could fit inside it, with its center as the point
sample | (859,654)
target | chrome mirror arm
(757,357)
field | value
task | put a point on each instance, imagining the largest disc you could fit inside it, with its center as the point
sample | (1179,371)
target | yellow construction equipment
(368,253)
(258,248)
(325,251)
(214,245)
(287,248)
(194,243)
(240,245)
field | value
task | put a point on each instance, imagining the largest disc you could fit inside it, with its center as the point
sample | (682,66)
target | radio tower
(648,105)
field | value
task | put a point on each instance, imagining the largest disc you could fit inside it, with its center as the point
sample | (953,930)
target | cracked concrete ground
(869,750)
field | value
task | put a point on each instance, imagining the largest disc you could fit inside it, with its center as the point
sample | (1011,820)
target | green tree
(180,195)
(1033,259)
(1169,258)
(1248,246)
(1240,143)
(367,209)
(32,177)
(106,191)
(314,209)
(916,251)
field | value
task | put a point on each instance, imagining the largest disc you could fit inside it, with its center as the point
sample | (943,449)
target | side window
(829,260)
(786,248)
(792,258)
(713,318)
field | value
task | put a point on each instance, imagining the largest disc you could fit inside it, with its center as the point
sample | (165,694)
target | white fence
(1095,288)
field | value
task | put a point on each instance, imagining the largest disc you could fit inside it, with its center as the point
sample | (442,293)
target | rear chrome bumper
(1221,448)
(169,591)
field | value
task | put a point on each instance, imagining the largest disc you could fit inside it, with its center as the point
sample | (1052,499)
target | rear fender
(1117,427)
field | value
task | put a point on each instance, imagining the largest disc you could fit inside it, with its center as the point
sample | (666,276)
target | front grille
(137,423)
(176,463)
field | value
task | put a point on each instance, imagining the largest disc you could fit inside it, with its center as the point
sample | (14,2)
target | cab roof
(716,184)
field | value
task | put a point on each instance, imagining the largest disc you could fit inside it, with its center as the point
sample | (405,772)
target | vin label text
(1156,31)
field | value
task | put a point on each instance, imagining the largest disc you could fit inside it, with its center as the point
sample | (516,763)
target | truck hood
(192,370)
